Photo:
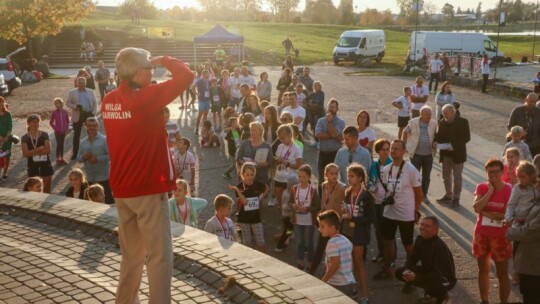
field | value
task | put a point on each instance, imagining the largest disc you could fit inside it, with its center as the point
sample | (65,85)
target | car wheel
(378,59)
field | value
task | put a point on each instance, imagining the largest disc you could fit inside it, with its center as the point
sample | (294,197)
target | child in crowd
(516,135)
(512,158)
(33,184)
(209,137)
(536,82)
(184,161)
(298,138)
(263,105)
(300,96)
(220,224)
(403,104)
(288,158)
(358,214)
(216,94)
(173,131)
(305,204)
(111,86)
(233,142)
(95,193)
(244,120)
(78,184)
(333,194)
(339,265)
(286,214)
(524,196)
(60,123)
(183,208)
(250,193)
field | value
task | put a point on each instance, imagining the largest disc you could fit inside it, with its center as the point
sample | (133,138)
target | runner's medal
(353,207)
(352,224)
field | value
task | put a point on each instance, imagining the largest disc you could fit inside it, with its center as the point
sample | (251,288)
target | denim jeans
(424,163)
(304,241)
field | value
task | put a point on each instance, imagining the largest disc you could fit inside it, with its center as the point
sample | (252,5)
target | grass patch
(315,41)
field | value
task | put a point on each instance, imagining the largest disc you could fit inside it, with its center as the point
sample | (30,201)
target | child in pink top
(60,123)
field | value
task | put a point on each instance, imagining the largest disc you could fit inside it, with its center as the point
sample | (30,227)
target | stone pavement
(59,250)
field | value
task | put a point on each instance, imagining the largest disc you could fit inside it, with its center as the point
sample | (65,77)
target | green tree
(346,11)
(407,11)
(478,12)
(24,20)
(142,8)
(448,11)
(321,11)
(285,7)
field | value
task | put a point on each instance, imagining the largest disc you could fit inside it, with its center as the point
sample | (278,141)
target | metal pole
(416,32)
(498,34)
(535,23)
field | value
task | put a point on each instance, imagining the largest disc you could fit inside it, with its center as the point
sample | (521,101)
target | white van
(476,43)
(358,45)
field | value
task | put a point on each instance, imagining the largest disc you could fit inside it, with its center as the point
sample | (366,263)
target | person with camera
(436,273)
(401,204)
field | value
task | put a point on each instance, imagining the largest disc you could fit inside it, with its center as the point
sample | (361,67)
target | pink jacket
(59,121)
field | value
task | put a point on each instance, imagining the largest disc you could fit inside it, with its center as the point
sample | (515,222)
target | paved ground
(487,115)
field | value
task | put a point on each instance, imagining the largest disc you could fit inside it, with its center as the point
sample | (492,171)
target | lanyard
(286,155)
(298,194)
(34,144)
(226,232)
(184,216)
(328,196)
(183,163)
(397,177)
(354,202)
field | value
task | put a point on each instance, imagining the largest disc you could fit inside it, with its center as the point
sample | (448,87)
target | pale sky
(361,4)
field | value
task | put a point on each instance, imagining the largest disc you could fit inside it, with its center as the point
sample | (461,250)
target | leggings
(60,138)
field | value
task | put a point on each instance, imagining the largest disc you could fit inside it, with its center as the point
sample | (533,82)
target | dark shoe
(426,200)
(226,176)
(407,288)
(15,139)
(384,274)
(455,203)
(444,199)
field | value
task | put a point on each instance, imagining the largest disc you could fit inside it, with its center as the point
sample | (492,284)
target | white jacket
(414,137)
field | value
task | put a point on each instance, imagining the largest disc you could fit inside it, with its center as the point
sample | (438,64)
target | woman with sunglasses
(36,147)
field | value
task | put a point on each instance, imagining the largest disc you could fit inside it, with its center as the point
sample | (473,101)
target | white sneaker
(272,202)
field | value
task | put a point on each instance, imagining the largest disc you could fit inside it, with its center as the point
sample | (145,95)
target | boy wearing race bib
(216,94)
(305,203)
(220,224)
(250,193)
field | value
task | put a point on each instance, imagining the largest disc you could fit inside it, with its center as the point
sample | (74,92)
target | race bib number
(281,174)
(252,204)
(303,204)
(393,185)
(357,211)
(216,98)
(486,221)
(207,94)
(39,158)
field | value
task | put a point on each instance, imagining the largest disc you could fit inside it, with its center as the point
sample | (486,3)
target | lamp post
(497,46)
(417,8)
(535,23)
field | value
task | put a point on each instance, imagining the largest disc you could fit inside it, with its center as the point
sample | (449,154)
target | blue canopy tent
(220,36)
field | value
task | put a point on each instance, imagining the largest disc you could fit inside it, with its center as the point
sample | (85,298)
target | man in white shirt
(401,205)
(245,78)
(435,68)
(419,96)
(298,113)
(234,83)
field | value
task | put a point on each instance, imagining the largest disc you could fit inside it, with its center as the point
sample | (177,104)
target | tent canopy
(218,35)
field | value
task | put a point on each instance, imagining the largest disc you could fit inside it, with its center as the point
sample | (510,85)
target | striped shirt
(342,247)
(424,144)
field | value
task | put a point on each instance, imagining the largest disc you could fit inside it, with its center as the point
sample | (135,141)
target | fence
(463,64)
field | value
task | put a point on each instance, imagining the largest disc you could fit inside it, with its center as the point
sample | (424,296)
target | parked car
(3,86)
(358,45)
(9,71)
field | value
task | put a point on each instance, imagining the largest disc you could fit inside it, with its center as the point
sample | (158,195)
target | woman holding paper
(256,150)
(489,240)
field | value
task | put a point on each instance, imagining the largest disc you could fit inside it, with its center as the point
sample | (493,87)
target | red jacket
(140,160)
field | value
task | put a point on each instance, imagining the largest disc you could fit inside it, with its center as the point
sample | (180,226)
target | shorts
(402,121)
(204,106)
(406,230)
(361,235)
(216,108)
(498,247)
(256,229)
(280,185)
(42,170)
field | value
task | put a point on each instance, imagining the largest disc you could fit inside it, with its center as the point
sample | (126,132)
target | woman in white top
(288,159)
(366,135)
(264,87)
(444,97)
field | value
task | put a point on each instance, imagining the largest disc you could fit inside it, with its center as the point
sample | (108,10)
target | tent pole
(195,54)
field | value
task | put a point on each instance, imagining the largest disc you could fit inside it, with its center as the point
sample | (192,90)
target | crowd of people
(359,181)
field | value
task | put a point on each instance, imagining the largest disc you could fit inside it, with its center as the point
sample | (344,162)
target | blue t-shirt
(203,89)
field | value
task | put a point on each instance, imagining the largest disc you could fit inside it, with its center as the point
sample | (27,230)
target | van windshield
(348,42)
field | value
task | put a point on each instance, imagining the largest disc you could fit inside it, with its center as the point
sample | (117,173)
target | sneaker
(15,139)
(278,249)
(313,144)
(272,202)
(226,176)
(363,301)
(455,203)
(427,300)
(426,200)
(196,131)
(444,199)
(377,259)
(407,288)
(384,274)
(206,145)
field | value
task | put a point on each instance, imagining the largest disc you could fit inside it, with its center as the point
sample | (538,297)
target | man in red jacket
(141,169)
